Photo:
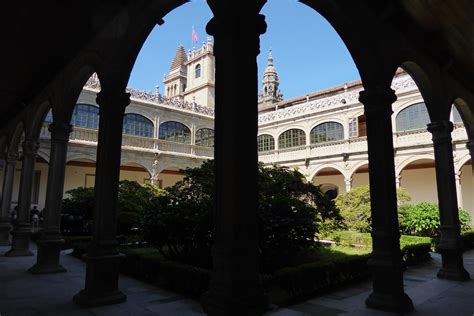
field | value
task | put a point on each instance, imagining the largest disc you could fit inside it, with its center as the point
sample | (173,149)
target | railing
(413,138)
(138,143)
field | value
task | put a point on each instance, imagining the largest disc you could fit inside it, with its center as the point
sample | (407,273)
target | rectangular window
(89,181)
(353,132)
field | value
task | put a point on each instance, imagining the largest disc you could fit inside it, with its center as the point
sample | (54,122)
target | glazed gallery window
(265,142)
(292,138)
(135,124)
(85,115)
(175,132)
(205,137)
(413,117)
(326,132)
(197,71)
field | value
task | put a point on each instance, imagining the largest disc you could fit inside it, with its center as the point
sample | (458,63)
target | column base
(102,277)
(49,250)
(388,302)
(5,228)
(20,243)
(453,267)
(86,299)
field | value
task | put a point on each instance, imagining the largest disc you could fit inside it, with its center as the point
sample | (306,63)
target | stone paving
(24,294)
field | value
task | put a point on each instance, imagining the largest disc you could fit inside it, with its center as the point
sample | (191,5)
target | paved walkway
(24,294)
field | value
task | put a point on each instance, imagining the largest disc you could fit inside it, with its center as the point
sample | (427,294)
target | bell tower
(271,92)
(175,80)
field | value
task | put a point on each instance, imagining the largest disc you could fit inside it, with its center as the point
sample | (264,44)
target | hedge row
(284,286)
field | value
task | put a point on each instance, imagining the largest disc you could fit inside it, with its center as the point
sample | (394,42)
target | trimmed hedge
(285,286)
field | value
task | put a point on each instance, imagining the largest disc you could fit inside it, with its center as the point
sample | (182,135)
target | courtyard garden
(308,242)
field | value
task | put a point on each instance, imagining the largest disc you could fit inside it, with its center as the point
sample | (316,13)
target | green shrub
(355,207)
(289,209)
(134,200)
(422,219)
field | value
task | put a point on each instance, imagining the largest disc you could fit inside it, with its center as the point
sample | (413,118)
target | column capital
(112,101)
(441,131)
(348,180)
(30,147)
(377,100)
(60,131)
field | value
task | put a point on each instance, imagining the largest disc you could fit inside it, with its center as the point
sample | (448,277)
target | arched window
(205,137)
(175,132)
(292,138)
(135,124)
(413,117)
(265,142)
(85,115)
(326,132)
(197,71)
(456,116)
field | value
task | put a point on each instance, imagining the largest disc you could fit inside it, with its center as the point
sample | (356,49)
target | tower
(200,66)
(175,81)
(270,92)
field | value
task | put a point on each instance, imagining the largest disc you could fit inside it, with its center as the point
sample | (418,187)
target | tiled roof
(179,59)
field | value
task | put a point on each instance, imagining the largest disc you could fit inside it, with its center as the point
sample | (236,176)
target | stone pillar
(102,258)
(235,287)
(470,147)
(450,244)
(8,178)
(51,241)
(457,178)
(348,182)
(22,229)
(386,262)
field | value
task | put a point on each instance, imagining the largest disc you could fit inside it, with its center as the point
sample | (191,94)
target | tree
(288,210)
(355,207)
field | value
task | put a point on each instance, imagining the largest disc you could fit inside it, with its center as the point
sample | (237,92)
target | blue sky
(308,53)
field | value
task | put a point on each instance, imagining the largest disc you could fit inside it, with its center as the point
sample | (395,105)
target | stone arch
(402,165)
(360,174)
(15,138)
(137,163)
(319,168)
(462,161)
(43,154)
(146,114)
(330,178)
(327,120)
(80,157)
(417,174)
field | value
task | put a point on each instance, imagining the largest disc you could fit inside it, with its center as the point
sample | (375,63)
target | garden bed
(337,265)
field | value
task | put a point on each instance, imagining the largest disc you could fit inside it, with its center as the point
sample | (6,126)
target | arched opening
(292,138)
(327,132)
(205,137)
(330,180)
(134,171)
(175,132)
(467,186)
(265,142)
(169,176)
(360,176)
(413,117)
(418,177)
(85,116)
(137,125)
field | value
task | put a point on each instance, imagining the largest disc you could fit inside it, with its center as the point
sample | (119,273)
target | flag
(195,36)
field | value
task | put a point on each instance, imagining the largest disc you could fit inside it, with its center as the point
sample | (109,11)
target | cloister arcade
(381,37)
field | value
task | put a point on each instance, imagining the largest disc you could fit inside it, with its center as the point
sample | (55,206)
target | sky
(308,54)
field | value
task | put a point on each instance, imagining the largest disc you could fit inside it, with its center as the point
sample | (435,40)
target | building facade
(322,134)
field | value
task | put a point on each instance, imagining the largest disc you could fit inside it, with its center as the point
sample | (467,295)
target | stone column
(450,244)
(470,147)
(386,262)
(457,178)
(51,241)
(235,287)
(102,258)
(22,229)
(348,183)
(8,178)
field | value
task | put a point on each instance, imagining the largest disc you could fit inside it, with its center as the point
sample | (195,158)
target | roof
(179,59)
